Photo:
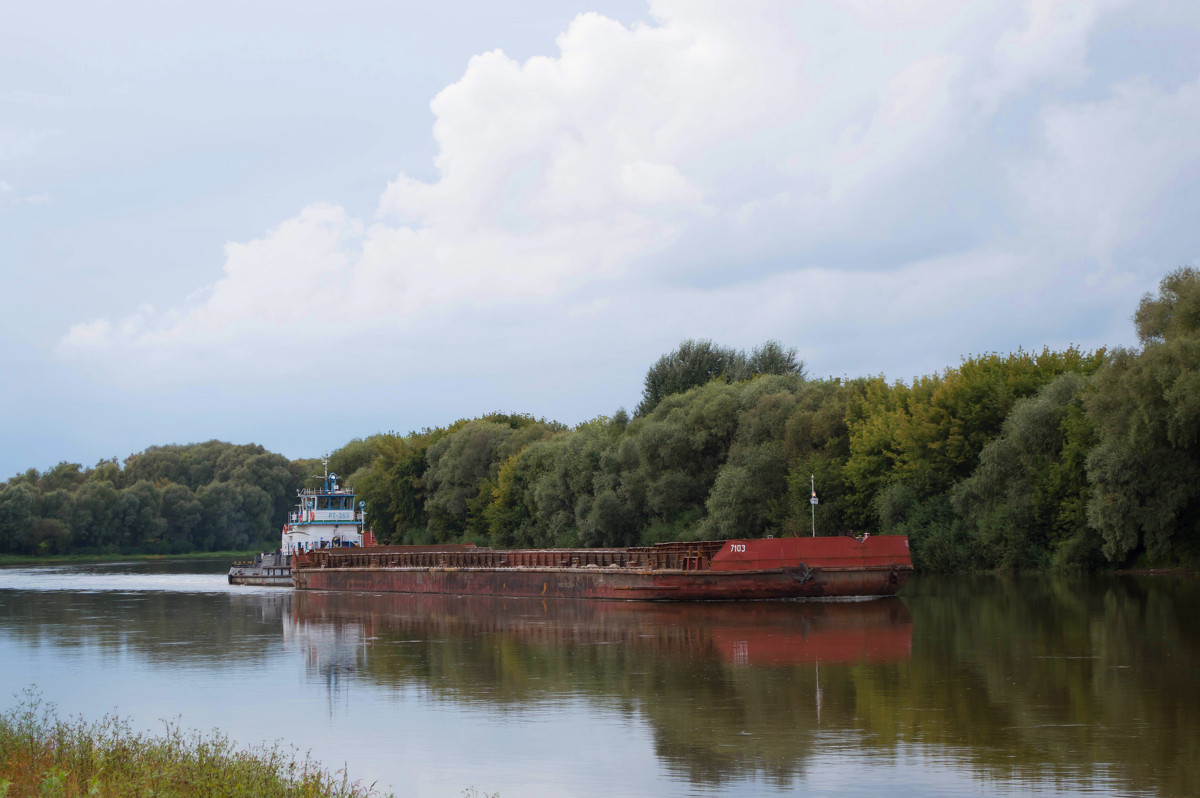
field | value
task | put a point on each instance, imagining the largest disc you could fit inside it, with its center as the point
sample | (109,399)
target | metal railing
(669,556)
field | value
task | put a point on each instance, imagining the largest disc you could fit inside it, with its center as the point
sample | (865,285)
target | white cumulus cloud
(723,163)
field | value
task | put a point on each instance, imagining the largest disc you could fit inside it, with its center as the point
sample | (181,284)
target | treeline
(1055,459)
(1066,459)
(210,496)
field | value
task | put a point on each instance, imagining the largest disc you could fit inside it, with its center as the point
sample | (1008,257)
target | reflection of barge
(710,570)
(758,633)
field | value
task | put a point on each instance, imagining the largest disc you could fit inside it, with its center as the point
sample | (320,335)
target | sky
(298,223)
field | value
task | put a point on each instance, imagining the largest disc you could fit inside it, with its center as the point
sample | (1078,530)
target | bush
(43,755)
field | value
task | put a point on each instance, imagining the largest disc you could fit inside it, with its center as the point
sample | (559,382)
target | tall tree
(1145,471)
(698,362)
(1025,503)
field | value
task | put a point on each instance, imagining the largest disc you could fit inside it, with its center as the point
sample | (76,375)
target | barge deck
(829,567)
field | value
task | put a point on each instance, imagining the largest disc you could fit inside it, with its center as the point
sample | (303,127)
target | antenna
(324,477)
(812,481)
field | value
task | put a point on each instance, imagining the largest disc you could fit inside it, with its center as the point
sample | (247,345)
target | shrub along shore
(1031,460)
(37,559)
(41,754)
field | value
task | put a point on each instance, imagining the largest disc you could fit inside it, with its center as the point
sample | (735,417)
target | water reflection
(331,625)
(1076,679)
(729,690)
(1075,682)
(989,685)
(210,630)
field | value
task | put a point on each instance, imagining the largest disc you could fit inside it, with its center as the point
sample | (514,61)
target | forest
(1065,460)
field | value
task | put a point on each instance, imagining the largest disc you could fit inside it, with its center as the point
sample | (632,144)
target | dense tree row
(726,459)
(1026,460)
(168,499)
(1064,459)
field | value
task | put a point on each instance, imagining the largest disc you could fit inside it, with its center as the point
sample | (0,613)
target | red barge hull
(780,568)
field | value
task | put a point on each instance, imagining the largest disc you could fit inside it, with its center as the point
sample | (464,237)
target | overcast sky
(296,223)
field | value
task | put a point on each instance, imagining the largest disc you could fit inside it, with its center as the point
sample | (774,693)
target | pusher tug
(325,518)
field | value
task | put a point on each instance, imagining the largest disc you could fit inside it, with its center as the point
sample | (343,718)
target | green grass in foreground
(41,755)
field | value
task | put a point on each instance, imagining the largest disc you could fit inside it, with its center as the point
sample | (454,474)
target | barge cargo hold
(778,568)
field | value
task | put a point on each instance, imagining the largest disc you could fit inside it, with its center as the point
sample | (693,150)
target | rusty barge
(725,570)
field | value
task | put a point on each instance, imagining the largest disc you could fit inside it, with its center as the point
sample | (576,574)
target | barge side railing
(664,556)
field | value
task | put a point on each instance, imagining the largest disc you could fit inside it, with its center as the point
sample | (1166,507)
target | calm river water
(964,686)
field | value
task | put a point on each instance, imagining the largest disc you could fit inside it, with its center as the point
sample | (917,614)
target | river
(986,686)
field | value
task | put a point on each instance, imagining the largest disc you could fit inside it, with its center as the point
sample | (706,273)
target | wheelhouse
(329,516)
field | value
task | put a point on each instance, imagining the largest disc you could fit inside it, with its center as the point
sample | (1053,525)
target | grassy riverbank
(22,559)
(43,755)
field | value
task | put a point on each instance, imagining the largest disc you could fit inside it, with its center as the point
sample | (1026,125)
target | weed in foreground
(41,755)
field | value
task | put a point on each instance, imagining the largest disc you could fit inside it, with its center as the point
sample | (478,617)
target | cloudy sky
(295,223)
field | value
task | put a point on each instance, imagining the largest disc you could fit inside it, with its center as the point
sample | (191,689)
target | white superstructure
(327,517)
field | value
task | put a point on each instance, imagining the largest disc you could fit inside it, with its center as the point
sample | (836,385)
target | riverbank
(40,754)
(25,559)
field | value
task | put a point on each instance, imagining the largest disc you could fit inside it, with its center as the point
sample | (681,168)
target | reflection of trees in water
(1029,678)
(729,690)
(1077,680)
(216,629)
(1063,678)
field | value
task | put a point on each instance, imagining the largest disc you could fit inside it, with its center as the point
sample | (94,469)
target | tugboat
(324,518)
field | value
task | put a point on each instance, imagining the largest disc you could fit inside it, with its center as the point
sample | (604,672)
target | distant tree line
(210,496)
(1055,459)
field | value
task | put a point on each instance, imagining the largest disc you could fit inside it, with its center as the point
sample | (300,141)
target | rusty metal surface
(707,570)
(825,552)
(671,556)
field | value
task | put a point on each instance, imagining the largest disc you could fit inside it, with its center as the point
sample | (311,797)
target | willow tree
(697,362)
(1025,503)
(1145,471)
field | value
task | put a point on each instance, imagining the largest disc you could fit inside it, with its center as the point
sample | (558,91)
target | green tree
(182,514)
(139,519)
(18,511)
(393,486)
(817,446)
(1025,503)
(235,516)
(747,489)
(772,358)
(354,456)
(155,464)
(566,478)
(698,362)
(464,466)
(106,471)
(271,474)
(929,435)
(95,523)
(64,476)
(1145,470)
(58,504)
